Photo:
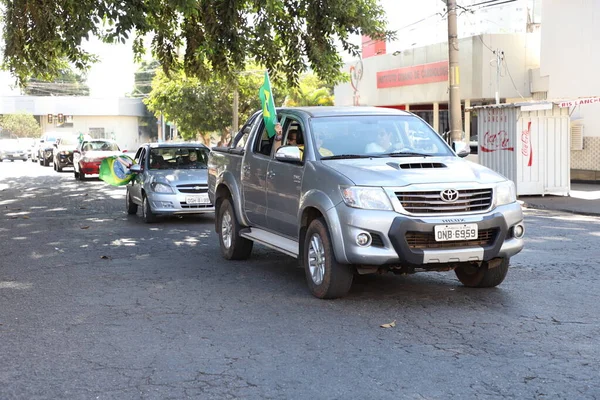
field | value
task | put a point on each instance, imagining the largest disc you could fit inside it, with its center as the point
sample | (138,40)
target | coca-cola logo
(496,142)
(527,149)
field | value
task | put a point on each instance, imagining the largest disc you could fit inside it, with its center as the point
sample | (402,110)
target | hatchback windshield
(178,158)
(100,145)
(377,136)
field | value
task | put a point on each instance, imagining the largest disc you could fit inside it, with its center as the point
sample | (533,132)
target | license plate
(446,233)
(200,199)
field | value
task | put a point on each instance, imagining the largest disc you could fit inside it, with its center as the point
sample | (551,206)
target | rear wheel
(130,205)
(147,213)
(326,278)
(233,246)
(81,175)
(482,277)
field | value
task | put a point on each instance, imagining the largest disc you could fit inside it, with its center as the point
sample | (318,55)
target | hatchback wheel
(147,213)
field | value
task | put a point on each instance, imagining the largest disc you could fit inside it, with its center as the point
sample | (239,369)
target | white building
(121,119)
(570,55)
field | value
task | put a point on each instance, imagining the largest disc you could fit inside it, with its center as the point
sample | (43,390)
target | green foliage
(21,125)
(68,83)
(215,37)
(311,91)
(142,85)
(199,108)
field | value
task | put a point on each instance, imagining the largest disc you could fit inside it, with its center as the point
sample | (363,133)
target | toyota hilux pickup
(358,190)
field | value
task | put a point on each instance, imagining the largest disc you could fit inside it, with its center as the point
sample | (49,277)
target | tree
(311,91)
(200,108)
(21,125)
(215,37)
(68,83)
(142,85)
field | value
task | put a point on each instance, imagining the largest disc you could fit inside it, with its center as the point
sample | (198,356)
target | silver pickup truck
(356,190)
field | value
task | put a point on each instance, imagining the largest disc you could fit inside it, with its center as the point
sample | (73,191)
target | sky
(416,26)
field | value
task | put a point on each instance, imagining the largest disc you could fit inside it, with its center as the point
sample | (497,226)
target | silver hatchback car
(171,180)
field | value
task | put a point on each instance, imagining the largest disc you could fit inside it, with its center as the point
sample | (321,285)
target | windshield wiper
(339,156)
(406,154)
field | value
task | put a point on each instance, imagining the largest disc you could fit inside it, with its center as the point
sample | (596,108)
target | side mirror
(288,154)
(136,168)
(124,151)
(462,149)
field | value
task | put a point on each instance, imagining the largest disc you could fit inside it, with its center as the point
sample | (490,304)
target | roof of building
(72,105)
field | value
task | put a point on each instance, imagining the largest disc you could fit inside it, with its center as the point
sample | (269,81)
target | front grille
(430,202)
(426,240)
(186,205)
(193,188)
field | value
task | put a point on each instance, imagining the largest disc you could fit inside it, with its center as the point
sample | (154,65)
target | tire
(46,163)
(147,213)
(130,205)
(75,174)
(58,167)
(482,277)
(81,175)
(326,278)
(233,246)
(40,161)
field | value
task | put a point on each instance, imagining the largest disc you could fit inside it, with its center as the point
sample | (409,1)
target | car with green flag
(359,190)
(170,179)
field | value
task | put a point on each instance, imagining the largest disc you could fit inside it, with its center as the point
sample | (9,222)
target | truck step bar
(272,240)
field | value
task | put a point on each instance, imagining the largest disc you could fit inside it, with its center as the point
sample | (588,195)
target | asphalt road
(97,304)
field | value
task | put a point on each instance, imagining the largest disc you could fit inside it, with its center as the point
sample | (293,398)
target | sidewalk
(583,199)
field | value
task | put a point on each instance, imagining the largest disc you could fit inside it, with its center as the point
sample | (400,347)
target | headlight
(158,187)
(65,153)
(505,193)
(369,198)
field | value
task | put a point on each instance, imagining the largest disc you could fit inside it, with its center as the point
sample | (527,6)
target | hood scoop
(420,165)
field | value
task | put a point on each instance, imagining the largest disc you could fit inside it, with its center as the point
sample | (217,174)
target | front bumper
(65,160)
(176,203)
(14,156)
(408,240)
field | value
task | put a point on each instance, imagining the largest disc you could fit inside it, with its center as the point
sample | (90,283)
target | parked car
(11,149)
(358,195)
(89,154)
(171,180)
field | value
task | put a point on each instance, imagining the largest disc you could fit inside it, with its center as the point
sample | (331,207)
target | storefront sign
(571,103)
(416,75)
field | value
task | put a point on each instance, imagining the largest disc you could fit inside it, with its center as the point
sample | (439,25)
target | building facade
(124,120)
(495,65)
(570,55)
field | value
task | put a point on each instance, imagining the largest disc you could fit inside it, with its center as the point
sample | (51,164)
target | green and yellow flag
(114,170)
(268,106)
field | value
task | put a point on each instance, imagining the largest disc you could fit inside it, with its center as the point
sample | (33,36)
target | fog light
(518,231)
(363,239)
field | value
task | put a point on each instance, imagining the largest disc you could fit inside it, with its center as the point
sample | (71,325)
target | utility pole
(498,61)
(454,74)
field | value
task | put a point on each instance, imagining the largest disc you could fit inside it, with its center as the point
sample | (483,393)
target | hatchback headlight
(159,187)
(368,198)
(505,193)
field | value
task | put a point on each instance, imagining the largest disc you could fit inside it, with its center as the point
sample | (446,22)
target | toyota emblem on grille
(197,188)
(449,195)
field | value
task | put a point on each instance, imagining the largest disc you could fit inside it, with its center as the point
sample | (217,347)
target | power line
(510,76)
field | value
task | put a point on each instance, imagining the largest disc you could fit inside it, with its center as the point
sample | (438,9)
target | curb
(570,211)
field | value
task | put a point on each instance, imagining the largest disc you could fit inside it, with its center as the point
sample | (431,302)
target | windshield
(376,135)
(100,145)
(68,141)
(179,158)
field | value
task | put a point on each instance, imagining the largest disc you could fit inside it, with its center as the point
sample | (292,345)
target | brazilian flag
(268,105)
(114,170)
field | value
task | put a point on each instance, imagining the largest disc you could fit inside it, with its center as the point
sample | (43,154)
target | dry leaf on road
(84,227)
(390,325)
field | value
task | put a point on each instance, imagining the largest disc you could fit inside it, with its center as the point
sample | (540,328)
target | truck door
(284,184)
(254,177)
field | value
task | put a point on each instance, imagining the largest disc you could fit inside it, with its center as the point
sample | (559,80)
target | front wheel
(147,213)
(326,278)
(233,246)
(482,277)
(130,205)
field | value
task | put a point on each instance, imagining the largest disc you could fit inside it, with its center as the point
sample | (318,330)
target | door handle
(246,167)
(270,174)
